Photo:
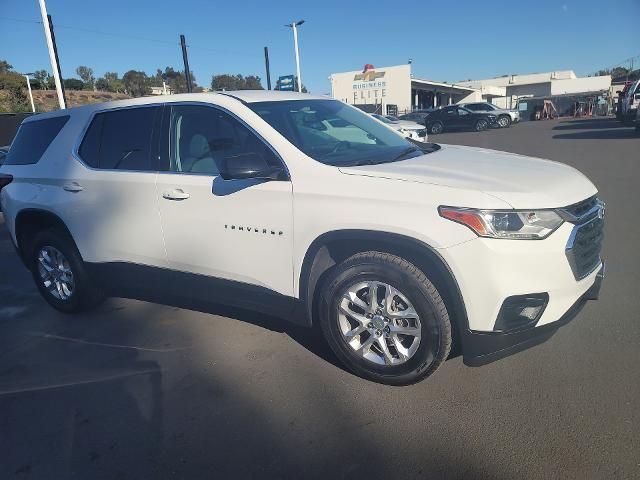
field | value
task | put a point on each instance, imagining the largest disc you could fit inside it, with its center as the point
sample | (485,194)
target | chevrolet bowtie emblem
(368,76)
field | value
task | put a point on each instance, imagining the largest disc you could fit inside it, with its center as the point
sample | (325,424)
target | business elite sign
(286,83)
(369,78)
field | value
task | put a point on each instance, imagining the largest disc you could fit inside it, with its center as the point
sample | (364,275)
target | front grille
(577,210)
(583,249)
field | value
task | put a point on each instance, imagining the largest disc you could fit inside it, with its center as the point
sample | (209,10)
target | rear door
(465,118)
(451,118)
(109,201)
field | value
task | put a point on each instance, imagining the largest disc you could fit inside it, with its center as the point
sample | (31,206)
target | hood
(409,125)
(521,181)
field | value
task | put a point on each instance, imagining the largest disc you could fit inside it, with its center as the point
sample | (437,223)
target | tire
(481,125)
(436,128)
(422,298)
(84,294)
(504,121)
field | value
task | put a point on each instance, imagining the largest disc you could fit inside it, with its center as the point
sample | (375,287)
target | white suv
(244,198)
(505,117)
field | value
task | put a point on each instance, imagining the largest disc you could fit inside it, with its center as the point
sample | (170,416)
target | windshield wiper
(405,152)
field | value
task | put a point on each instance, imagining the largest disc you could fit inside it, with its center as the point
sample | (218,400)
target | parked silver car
(505,117)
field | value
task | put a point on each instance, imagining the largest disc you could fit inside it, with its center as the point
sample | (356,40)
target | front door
(237,231)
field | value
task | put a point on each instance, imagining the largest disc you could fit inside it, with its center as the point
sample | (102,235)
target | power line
(21,20)
(135,37)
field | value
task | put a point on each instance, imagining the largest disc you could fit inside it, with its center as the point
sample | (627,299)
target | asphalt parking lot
(138,390)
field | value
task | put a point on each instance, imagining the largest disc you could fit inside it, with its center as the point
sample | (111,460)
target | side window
(120,140)
(202,137)
(473,107)
(462,111)
(32,139)
(451,111)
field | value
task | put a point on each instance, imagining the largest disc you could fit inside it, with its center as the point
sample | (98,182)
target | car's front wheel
(481,125)
(504,121)
(59,272)
(436,128)
(384,319)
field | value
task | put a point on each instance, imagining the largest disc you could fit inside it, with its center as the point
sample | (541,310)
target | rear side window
(120,140)
(32,139)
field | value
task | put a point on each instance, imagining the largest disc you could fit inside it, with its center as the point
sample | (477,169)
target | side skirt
(192,291)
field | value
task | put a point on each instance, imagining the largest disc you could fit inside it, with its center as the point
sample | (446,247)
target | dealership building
(394,90)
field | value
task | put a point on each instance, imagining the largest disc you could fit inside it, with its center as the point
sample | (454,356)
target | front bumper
(480,348)
(496,276)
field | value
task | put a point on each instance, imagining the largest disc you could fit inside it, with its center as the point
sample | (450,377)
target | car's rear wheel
(504,121)
(436,128)
(60,274)
(384,319)
(481,125)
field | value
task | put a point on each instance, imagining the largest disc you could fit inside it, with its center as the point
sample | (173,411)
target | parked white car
(406,128)
(630,103)
(243,198)
(505,117)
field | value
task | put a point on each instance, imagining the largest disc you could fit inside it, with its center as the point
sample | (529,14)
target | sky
(446,41)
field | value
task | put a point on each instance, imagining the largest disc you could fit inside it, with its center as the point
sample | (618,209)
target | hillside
(47,100)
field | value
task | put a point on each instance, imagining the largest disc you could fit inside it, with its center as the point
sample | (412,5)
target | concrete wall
(389,86)
(580,85)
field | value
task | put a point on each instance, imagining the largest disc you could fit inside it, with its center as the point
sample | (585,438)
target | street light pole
(294,26)
(55,66)
(33,107)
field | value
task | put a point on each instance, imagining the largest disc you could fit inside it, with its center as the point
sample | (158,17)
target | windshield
(392,118)
(337,134)
(382,119)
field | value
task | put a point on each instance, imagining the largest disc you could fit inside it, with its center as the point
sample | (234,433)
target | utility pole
(266,65)
(187,72)
(53,54)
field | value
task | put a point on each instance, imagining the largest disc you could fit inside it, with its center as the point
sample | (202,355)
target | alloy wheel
(55,273)
(379,323)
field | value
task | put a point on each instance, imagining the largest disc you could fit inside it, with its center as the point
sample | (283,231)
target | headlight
(511,224)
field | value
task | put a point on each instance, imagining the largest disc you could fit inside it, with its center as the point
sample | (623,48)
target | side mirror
(248,165)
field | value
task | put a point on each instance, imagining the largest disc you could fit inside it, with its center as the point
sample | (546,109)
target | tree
(5,67)
(73,84)
(252,82)
(43,78)
(235,82)
(110,83)
(175,80)
(14,86)
(86,74)
(136,83)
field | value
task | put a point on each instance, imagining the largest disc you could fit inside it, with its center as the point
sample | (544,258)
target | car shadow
(309,338)
(590,124)
(609,134)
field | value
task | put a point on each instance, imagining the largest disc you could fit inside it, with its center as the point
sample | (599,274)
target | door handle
(73,187)
(177,194)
